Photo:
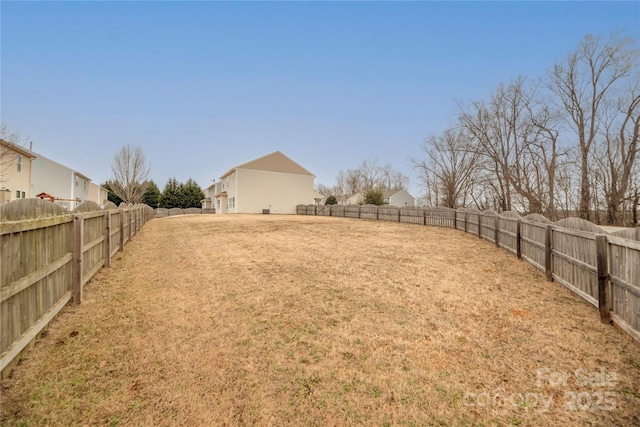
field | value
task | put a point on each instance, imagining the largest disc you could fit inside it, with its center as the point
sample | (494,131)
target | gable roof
(390,193)
(274,162)
(18,149)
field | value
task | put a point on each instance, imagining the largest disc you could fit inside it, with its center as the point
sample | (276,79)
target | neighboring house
(68,187)
(98,194)
(273,183)
(355,199)
(209,197)
(342,200)
(398,198)
(15,172)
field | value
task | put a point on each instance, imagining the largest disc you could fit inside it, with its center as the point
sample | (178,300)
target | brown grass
(293,320)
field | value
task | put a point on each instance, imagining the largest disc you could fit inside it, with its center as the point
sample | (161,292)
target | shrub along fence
(48,255)
(601,267)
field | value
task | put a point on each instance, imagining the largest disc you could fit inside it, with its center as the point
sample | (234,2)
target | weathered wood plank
(624,242)
(106,247)
(33,224)
(548,268)
(26,281)
(575,290)
(24,340)
(619,283)
(602,250)
(577,233)
(76,287)
(625,326)
(95,242)
(89,275)
(574,261)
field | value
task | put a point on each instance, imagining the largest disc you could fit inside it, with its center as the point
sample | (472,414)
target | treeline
(181,195)
(559,145)
(174,195)
(366,177)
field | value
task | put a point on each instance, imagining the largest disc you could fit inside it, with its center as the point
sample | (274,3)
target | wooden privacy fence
(163,212)
(601,267)
(47,255)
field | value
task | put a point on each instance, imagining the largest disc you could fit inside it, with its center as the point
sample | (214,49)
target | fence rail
(48,255)
(601,267)
(163,212)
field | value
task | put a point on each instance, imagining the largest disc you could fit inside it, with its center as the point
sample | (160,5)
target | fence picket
(47,256)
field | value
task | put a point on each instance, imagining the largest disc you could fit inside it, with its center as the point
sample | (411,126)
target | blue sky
(205,86)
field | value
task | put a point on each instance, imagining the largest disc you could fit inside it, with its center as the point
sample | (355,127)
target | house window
(85,185)
(76,181)
(19,162)
(232,203)
(20,194)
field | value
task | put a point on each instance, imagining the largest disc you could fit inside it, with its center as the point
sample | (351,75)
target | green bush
(373,197)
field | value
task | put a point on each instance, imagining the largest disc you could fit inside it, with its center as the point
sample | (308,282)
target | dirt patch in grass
(294,320)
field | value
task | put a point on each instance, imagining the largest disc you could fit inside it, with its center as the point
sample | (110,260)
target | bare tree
(130,174)
(501,132)
(391,179)
(369,175)
(582,82)
(617,156)
(324,190)
(450,168)
(546,156)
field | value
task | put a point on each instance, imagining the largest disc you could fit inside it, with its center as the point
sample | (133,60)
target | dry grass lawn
(295,320)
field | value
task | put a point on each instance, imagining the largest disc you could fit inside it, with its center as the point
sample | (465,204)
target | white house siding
(81,188)
(355,199)
(59,181)
(97,194)
(230,186)
(276,191)
(402,198)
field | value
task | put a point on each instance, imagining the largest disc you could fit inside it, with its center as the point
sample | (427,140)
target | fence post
(359,212)
(602,254)
(455,220)
(76,277)
(377,213)
(399,214)
(496,231)
(465,222)
(548,270)
(130,224)
(107,239)
(519,239)
(121,230)
(479,225)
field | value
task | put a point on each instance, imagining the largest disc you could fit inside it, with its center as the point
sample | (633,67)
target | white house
(63,185)
(98,194)
(273,183)
(355,199)
(398,198)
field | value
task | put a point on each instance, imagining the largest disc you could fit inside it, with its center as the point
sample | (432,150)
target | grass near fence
(297,320)
(601,266)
